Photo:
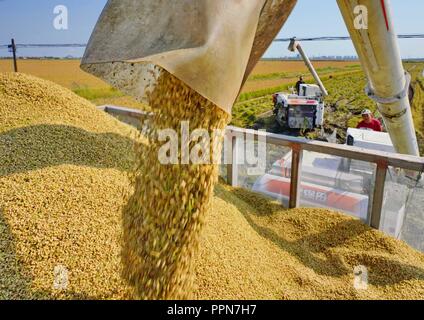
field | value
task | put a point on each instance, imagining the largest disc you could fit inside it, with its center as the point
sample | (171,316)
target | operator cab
(303,111)
(310,90)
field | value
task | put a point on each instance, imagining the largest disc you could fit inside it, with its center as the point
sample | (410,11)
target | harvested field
(67,73)
(276,75)
(63,169)
(251,86)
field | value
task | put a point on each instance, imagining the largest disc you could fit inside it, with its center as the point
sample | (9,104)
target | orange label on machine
(321,196)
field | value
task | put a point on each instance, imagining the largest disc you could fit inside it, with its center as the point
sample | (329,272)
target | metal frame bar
(402,161)
(378,198)
(382,159)
(122,111)
(295,177)
(15,62)
(232,172)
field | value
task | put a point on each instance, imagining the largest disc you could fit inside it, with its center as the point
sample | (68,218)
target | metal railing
(381,159)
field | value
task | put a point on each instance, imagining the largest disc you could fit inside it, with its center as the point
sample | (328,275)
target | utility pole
(12,48)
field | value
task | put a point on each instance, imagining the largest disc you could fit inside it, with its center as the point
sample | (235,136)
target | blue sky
(31,21)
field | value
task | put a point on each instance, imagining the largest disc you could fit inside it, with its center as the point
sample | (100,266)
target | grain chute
(210,45)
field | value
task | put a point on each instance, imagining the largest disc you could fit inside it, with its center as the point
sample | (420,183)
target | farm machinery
(300,111)
(213,46)
(303,109)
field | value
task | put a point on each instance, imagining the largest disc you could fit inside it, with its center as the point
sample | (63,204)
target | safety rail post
(378,198)
(232,173)
(12,48)
(296,173)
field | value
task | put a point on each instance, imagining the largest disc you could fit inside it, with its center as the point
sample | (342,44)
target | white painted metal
(310,90)
(372,140)
(379,53)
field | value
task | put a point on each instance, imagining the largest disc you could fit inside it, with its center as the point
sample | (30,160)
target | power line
(331,38)
(83,45)
(51,45)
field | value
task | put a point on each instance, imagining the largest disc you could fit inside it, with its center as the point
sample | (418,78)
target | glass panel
(396,194)
(258,176)
(327,181)
(403,207)
(339,184)
(223,169)
(336,183)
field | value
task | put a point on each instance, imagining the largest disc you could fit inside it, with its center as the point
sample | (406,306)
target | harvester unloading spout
(295,45)
(376,44)
(211,45)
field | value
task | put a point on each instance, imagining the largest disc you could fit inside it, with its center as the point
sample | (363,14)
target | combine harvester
(214,45)
(304,109)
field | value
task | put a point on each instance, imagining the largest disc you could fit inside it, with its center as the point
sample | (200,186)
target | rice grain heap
(163,218)
(252,248)
(63,167)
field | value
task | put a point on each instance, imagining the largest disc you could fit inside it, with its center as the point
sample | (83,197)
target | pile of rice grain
(252,248)
(63,166)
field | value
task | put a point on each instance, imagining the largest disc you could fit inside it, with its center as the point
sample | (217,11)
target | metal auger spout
(376,43)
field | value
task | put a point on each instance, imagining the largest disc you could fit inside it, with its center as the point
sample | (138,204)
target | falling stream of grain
(163,218)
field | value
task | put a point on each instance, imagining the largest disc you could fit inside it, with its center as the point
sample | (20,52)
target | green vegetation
(346,100)
(291,75)
(98,93)
(343,105)
(245,114)
(247,96)
(418,102)
(269,76)
(347,93)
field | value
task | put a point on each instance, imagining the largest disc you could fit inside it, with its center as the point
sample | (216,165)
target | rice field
(64,72)
(268,74)
(68,74)
(267,67)
(345,101)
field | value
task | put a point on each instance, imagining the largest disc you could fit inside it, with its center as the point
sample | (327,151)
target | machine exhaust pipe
(376,43)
